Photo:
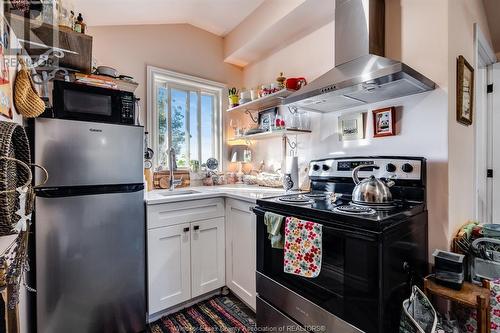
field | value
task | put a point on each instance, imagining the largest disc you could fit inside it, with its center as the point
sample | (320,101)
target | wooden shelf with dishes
(272,134)
(265,102)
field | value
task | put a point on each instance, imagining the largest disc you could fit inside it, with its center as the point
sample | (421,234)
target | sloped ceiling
(216,16)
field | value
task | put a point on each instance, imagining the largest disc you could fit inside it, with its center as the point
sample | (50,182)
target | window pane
(193,125)
(207,114)
(161,109)
(179,102)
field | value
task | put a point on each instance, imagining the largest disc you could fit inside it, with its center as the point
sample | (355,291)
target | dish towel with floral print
(470,323)
(303,247)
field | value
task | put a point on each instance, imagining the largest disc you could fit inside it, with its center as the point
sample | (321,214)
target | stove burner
(297,199)
(354,210)
(382,207)
(316,195)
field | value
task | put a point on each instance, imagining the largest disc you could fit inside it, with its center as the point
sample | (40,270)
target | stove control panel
(399,168)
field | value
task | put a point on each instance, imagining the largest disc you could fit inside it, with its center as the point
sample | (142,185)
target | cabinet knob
(196,227)
(186,229)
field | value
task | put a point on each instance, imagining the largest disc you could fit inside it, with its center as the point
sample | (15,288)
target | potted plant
(233,97)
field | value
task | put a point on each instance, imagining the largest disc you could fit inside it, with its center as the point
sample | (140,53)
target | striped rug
(218,314)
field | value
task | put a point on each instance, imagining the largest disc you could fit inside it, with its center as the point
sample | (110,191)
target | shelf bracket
(255,120)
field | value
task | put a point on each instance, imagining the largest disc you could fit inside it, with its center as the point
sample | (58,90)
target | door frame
(484,57)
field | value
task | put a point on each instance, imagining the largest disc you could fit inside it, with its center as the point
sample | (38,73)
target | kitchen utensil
(295,83)
(107,71)
(371,190)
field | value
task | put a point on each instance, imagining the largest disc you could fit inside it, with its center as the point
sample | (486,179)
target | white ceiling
(217,16)
(492,8)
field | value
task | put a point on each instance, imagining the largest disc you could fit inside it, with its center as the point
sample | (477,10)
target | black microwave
(77,101)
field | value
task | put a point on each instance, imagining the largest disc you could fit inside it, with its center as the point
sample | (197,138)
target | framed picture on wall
(267,118)
(384,122)
(465,91)
(351,126)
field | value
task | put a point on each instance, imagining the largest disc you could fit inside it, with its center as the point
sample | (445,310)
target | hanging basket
(26,99)
(13,174)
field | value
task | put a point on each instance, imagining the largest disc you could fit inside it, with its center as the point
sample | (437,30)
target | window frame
(186,83)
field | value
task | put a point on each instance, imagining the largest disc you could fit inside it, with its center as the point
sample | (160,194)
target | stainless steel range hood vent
(362,74)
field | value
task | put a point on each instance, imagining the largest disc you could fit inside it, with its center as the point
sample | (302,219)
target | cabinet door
(207,256)
(240,250)
(169,267)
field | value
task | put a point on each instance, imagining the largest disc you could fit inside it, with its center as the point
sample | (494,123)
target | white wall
(178,47)
(461,139)
(422,119)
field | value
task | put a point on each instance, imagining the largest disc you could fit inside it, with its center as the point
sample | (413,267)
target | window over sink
(184,112)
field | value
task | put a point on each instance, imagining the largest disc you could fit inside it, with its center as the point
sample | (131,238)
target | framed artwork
(267,118)
(465,92)
(351,126)
(5,84)
(384,122)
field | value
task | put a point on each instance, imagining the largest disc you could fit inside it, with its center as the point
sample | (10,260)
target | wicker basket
(26,99)
(13,144)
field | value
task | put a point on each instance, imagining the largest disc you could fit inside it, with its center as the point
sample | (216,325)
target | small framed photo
(351,126)
(384,122)
(465,91)
(267,119)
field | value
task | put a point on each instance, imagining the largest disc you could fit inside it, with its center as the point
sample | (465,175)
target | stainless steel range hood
(362,74)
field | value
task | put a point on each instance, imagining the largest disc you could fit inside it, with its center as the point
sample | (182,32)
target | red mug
(295,83)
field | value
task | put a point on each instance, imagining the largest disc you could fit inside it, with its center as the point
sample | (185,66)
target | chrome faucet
(172,166)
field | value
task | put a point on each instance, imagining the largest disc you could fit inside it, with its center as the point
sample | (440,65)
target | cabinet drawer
(163,215)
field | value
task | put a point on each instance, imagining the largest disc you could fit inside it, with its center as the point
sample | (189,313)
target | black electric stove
(341,210)
(370,253)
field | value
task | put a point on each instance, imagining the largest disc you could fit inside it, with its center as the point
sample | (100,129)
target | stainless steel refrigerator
(89,227)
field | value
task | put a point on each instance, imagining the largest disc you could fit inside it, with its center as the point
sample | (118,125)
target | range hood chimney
(362,74)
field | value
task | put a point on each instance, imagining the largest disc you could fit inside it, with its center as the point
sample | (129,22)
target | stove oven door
(343,298)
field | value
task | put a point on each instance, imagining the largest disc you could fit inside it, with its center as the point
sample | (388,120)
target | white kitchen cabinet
(241,250)
(169,266)
(207,256)
(186,255)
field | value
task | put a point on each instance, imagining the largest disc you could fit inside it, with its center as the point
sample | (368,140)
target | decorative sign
(351,126)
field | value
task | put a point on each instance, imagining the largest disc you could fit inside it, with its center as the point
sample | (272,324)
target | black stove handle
(258,211)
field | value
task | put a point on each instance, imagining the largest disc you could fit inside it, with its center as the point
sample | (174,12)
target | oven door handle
(258,211)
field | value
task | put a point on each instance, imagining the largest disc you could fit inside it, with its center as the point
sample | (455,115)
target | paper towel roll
(292,167)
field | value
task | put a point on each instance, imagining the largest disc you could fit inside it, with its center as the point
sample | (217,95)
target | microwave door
(78,153)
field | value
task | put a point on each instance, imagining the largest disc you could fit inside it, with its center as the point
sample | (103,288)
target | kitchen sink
(177,192)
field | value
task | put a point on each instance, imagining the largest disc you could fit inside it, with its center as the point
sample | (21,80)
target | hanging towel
(303,247)
(273,223)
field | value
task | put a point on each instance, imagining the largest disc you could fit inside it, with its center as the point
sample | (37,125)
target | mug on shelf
(295,83)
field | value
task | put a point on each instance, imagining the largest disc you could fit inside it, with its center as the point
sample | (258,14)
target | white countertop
(241,192)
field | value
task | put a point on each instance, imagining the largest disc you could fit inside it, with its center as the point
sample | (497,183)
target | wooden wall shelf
(37,38)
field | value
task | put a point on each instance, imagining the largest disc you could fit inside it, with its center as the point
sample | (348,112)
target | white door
(169,266)
(495,144)
(207,256)
(241,250)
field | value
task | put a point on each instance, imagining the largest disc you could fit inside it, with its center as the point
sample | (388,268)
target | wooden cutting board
(161,179)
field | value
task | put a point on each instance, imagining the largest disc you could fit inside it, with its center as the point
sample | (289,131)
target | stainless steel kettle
(371,191)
